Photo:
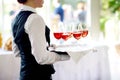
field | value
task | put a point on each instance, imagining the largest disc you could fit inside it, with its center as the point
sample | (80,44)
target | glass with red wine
(57,33)
(77,32)
(84,30)
(66,32)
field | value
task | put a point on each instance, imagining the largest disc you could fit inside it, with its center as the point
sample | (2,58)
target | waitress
(30,36)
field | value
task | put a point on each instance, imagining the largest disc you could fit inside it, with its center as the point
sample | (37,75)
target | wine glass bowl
(66,35)
(58,35)
(77,35)
(84,33)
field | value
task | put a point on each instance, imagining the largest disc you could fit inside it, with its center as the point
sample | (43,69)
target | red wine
(85,33)
(66,36)
(58,35)
(77,35)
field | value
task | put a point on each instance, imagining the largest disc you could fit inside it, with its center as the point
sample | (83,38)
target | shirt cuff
(64,57)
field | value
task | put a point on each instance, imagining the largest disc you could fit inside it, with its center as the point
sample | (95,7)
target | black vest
(30,69)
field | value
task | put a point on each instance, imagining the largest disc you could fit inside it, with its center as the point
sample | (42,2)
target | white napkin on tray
(76,52)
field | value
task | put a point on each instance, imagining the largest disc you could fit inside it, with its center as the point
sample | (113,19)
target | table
(92,66)
(9,66)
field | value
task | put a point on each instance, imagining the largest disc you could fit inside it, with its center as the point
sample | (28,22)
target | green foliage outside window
(109,9)
(114,5)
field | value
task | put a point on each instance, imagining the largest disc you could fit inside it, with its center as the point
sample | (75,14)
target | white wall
(93,17)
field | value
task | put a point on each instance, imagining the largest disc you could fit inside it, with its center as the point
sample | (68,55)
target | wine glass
(66,32)
(84,33)
(58,31)
(84,30)
(77,33)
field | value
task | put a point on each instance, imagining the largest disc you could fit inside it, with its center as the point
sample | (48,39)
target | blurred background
(102,16)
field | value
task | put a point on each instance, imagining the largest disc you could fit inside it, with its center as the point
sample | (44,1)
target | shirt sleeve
(35,27)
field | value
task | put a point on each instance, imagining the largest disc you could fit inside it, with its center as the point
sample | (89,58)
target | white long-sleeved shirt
(35,28)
